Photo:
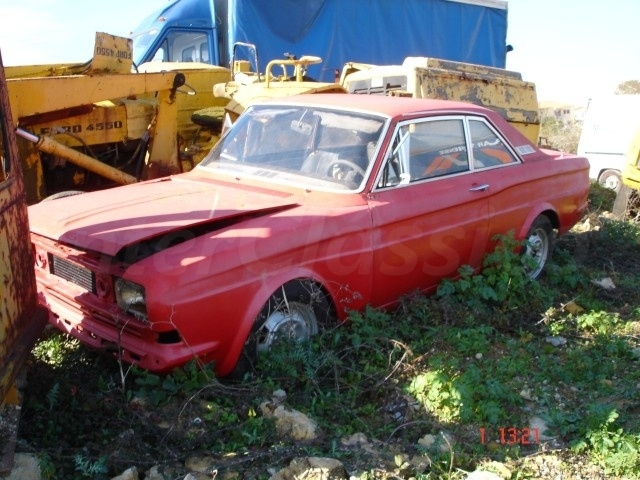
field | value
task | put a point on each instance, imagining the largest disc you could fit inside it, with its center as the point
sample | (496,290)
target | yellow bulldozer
(99,124)
(420,77)
(627,203)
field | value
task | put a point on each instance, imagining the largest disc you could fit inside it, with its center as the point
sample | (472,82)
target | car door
(429,213)
(511,189)
(21,320)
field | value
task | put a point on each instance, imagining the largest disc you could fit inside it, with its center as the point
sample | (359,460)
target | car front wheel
(295,312)
(538,245)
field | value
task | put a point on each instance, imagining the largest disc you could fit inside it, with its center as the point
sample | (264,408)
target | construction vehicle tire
(67,193)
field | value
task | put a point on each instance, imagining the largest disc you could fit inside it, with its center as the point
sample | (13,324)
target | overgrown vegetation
(472,365)
(560,136)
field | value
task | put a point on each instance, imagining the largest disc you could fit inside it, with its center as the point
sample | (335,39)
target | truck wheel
(538,245)
(67,193)
(296,311)
(610,179)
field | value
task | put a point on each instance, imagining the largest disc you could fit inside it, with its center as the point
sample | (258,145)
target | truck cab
(182,31)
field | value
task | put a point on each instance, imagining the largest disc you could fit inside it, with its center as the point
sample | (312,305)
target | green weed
(158,389)
(502,292)
(91,468)
(617,233)
(609,445)
(599,323)
(601,198)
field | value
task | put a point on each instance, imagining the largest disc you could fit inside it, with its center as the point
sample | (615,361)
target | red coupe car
(307,208)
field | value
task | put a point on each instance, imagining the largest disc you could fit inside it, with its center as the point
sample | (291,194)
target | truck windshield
(301,145)
(141,43)
(176,46)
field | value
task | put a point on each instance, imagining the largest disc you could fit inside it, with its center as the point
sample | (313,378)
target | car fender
(267,288)
(543,208)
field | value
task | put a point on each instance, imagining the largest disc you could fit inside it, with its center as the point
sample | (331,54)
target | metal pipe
(28,135)
(49,145)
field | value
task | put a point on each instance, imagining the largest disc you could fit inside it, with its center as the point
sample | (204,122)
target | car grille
(73,273)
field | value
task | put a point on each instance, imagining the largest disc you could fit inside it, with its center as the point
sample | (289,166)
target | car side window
(394,171)
(442,151)
(488,149)
(426,149)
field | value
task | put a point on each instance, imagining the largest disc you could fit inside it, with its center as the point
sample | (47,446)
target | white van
(609,125)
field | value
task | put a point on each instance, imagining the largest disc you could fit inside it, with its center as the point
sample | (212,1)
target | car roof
(382,104)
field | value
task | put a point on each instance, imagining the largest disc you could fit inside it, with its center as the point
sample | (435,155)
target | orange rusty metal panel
(103,122)
(21,320)
(501,90)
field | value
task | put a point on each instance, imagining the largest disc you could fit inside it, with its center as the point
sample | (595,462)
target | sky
(573,50)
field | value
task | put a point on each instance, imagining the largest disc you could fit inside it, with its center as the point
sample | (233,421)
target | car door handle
(480,188)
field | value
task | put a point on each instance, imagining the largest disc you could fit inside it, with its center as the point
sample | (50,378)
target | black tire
(305,78)
(539,245)
(610,179)
(67,193)
(296,311)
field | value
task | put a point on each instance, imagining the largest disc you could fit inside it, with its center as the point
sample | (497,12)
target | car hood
(108,220)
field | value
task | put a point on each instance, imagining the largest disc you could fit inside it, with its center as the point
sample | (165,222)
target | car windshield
(301,145)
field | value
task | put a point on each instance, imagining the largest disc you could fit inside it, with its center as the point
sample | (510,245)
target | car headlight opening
(131,298)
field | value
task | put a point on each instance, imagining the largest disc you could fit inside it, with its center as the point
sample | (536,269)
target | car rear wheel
(295,312)
(538,245)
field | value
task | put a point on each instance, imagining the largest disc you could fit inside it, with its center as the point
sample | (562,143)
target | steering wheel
(344,170)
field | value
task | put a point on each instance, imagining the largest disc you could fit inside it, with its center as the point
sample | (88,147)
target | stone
(25,467)
(526,393)
(278,397)
(312,468)
(128,474)
(357,439)
(290,423)
(294,424)
(443,442)
(556,341)
(199,464)
(539,424)
(605,283)
(482,475)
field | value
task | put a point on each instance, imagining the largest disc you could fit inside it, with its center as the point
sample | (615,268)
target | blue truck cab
(182,31)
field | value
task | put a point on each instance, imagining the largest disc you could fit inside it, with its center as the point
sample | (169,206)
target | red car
(307,208)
